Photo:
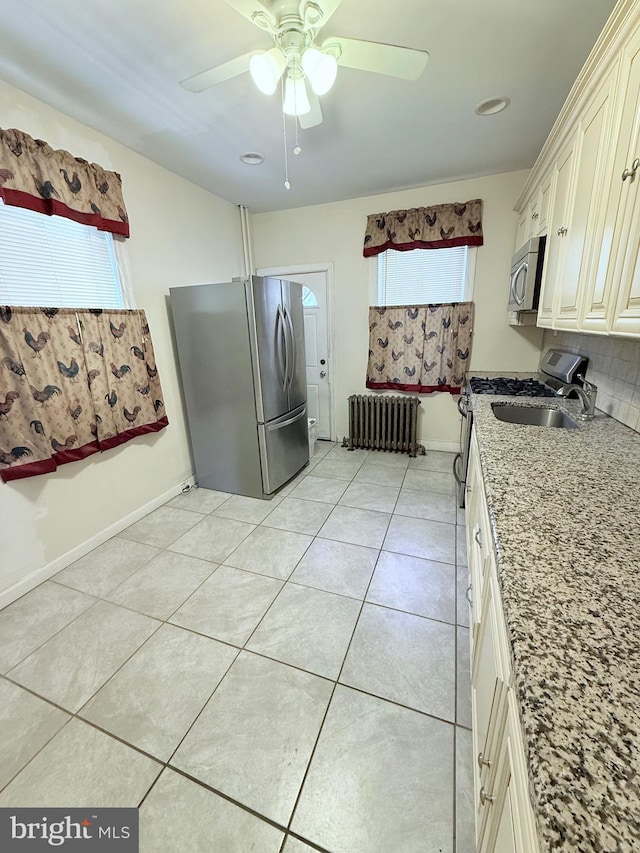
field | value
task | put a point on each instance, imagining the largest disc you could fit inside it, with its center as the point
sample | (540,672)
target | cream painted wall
(335,232)
(180,234)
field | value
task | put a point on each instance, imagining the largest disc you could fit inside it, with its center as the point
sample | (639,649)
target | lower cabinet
(504,817)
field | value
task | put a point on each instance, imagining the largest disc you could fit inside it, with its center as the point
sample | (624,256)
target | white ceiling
(116,65)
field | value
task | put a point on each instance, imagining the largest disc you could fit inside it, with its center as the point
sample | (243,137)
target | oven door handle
(456,459)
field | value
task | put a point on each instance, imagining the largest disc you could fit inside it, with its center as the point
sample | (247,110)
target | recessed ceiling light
(491,106)
(251,158)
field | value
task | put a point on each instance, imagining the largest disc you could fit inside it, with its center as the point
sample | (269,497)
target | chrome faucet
(586,392)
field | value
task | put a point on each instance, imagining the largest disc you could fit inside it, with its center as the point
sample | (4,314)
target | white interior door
(316,336)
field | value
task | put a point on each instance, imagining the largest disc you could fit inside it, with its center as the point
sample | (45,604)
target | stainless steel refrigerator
(242,361)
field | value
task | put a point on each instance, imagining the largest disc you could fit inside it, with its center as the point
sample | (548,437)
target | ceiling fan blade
(254,11)
(314,116)
(404,62)
(208,78)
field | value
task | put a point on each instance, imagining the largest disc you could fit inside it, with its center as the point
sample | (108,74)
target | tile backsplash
(614,366)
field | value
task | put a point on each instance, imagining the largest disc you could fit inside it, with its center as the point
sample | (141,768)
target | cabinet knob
(482,761)
(562,231)
(631,173)
(478,537)
(486,798)
(468,596)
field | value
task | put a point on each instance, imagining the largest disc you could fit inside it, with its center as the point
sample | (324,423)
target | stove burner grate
(510,387)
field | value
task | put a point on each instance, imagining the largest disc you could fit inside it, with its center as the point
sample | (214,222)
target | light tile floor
(277,677)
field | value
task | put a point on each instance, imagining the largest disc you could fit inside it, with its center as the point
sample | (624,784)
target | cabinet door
(473,496)
(626,320)
(522,234)
(626,270)
(613,263)
(507,824)
(543,207)
(554,252)
(591,149)
(489,677)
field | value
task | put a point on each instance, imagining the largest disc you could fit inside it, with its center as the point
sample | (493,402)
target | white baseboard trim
(42,574)
(446,446)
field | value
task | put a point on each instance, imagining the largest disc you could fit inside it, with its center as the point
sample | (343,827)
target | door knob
(323,373)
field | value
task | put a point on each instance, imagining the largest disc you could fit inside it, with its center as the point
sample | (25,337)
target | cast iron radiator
(383,423)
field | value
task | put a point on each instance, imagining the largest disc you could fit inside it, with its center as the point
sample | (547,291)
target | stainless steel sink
(545,416)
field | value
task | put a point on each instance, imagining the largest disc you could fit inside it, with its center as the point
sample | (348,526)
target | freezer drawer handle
(279,425)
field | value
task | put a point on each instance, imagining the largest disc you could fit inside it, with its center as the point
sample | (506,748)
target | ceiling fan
(307,69)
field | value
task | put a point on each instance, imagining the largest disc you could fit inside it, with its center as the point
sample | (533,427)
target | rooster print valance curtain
(438,227)
(420,348)
(35,176)
(73,383)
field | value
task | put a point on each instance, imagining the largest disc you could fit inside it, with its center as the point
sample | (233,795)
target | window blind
(422,276)
(51,261)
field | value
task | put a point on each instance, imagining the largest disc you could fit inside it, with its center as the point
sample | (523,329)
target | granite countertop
(565,508)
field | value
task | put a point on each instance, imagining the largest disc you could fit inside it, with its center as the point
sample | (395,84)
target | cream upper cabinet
(591,279)
(592,155)
(608,304)
(624,274)
(558,230)
(544,198)
(626,318)
(533,222)
(523,232)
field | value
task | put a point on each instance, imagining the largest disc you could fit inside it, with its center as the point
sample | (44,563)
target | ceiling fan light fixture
(296,100)
(266,69)
(320,68)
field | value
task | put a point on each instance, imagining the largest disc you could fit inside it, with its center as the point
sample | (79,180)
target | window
(309,299)
(52,261)
(424,276)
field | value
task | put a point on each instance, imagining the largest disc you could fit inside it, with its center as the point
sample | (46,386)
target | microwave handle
(516,297)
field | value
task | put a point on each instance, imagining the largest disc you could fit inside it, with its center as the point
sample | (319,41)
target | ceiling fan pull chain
(297,148)
(287,185)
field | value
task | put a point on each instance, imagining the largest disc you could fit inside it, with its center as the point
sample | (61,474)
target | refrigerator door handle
(292,364)
(282,349)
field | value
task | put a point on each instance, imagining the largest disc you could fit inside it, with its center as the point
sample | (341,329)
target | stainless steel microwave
(526,276)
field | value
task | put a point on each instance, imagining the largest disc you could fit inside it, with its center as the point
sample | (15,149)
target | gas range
(509,387)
